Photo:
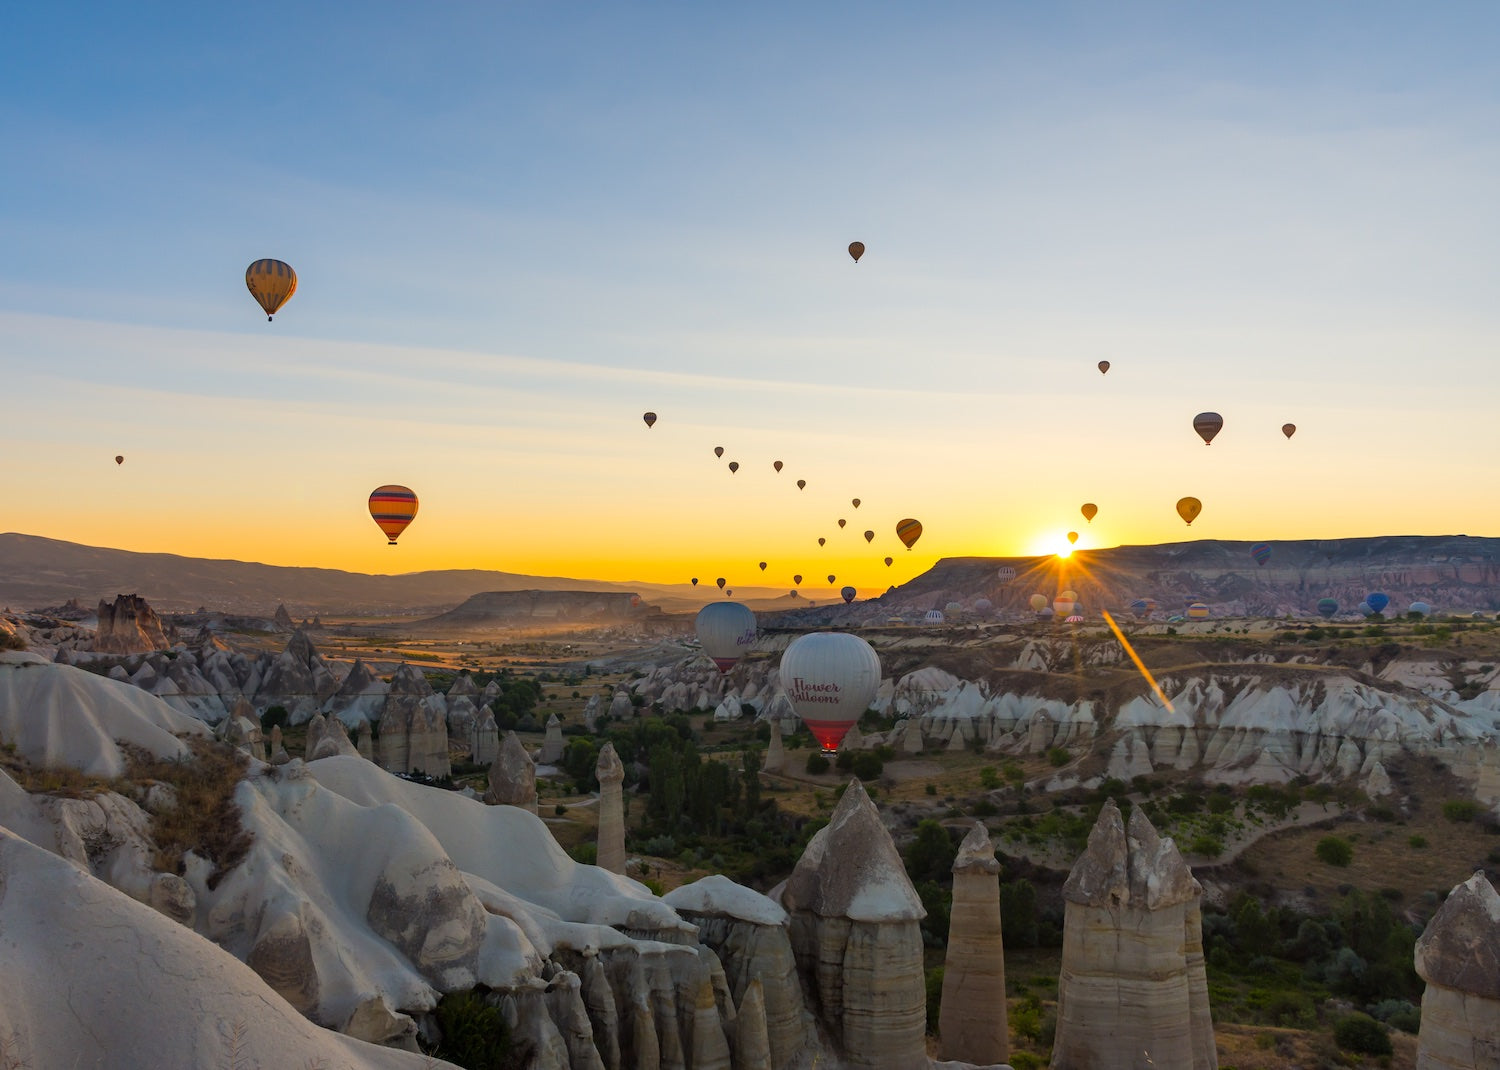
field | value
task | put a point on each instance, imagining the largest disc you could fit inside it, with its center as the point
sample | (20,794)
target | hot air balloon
(889,561)
(695,581)
(1072,538)
(1073,618)
(729,593)
(1288,430)
(762,566)
(1045,613)
(1188,509)
(635,600)
(271,283)
(1208,424)
(727,631)
(718,451)
(856,250)
(869,536)
(1103,367)
(830,679)
(822,541)
(801,484)
(933,616)
(1071,596)
(1138,607)
(119,458)
(793,592)
(1064,606)
(843,522)
(650,419)
(1377,600)
(1038,602)
(734,466)
(1261,552)
(797,579)
(1005,574)
(720,582)
(1327,607)
(1089,511)
(983,605)
(909,531)
(832,579)
(392,507)
(855,502)
(776,465)
(847,594)
(1197,611)
(1421,609)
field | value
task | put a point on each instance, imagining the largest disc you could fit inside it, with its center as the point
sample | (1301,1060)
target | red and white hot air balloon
(831,679)
(727,631)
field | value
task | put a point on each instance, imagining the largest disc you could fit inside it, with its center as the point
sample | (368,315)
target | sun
(1051,543)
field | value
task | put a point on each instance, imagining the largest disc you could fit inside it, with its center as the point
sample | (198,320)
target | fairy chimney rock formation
(552,743)
(485,742)
(855,933)
(775,753)
(972,1025)
(611,774)
(512,776)
(1132,989)
(852,740)
(282,619)
(591,713)
(1459,958)
(620,707)
(129,626)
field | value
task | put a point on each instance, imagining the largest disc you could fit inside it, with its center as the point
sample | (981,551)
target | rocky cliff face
(1132,991)
(502,609)
(129,626)
(1459,958)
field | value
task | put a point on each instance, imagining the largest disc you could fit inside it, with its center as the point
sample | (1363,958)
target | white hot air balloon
(727,631)
(831,679)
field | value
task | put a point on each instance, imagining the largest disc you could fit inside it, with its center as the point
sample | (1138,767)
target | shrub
(1206,846)
(934,997)
(1058,756)
(868,766)
(475,1033)
(816,764)
(1398,1014)
(559,809)
(1335,851)
(1220,804)
(1460,809)
(1025,1060)
(988,778)
(931,789)
(585,853)
(1363,1034)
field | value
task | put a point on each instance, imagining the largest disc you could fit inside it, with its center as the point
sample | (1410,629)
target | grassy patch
(205,819)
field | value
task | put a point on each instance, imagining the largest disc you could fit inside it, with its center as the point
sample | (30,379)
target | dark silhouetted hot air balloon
(889,561)
(1208,424)
(695,581)
(727,631)
(1188,509)
(1072,538)
(718,451)
(762,566)
(822,541)
(1261,552)
(729,593)
(797,579)
(830,679)
(1377,600)
(909,531)
(1288,430)
(855,503)
(776,465)
(832,578)
(856,250)
(720,582)
(392,507)
(734,466)
(650,419)
(119,458)
(1103,367)
(1089,511)
(847,594)
(843,522)
(271,283)
(801,483)
(869,536)
(1327,607)
(793,592)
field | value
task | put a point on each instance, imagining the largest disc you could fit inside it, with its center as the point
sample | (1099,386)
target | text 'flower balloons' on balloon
(830,678)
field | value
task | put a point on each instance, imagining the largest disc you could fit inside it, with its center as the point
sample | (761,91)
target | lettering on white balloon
(808,691)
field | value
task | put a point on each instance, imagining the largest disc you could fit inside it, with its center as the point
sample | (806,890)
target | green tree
(1018,916)
(931,854)
(1335,851)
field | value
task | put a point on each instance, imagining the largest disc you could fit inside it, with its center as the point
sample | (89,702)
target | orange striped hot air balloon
(272,283)
(393,507)
(909,531)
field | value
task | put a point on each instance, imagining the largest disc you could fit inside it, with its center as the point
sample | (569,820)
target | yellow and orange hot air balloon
(909,531)
(1089,511)
(1188,509)
(393,507)
(272,283)
(1072,538)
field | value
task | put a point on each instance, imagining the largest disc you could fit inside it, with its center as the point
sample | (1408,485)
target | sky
(519,226)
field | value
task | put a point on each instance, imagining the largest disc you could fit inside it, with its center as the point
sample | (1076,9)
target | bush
(1460,809)
(931,789)
(868,766)
(1207,846)
(475,1034)
(988,778)
(1059,756)
(585,853)
(1335,851)
(934,997)
(1220,804)
(817,765)
(1025,1060)
(1362,1034)
(1398,1014)
(1416,841)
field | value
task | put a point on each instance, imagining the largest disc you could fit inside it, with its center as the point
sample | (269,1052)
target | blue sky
(515,225)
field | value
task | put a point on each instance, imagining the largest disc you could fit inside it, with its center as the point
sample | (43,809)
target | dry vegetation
(205,819)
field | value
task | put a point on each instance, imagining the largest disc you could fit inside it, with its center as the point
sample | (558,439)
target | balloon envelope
(1197,611)
(1072,538)
(1261,553)
(119,459)
(271,283)
(797,579)
(1005,574)
(830,678)
(727,631)
(842,522)
(822,541)
(720,582)
(695,581)
(776,465)
(1038,602)
(734,466)
(392,507)
(909,531)
(1327,607)
(1378,600)
(718,451)
(762,566)
(832,578)
(847,594)
(1288,430)
(650,419)
(1138,607)
(1422,609)
(869,536)
(1089,511)
(856,250)
(854,502)
(1103,366)
(801,483)
(1188,509)
(1208,424)
(889,561)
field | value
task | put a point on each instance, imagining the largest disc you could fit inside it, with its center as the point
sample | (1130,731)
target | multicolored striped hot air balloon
(1138,607)
(1208,424)
(271,283)
(1261,552)
(909,531)
(1197,611)
(392,507)
(1327,607)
